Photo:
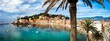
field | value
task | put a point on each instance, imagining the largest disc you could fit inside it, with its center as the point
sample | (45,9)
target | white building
(98,25)
(107,34)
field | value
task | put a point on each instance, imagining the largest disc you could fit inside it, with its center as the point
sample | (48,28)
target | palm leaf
(66,4)
(45,3)
(50,6)
(87,25)
(97,35)
(101,3)
(87,2)
(61,4)
(108,0)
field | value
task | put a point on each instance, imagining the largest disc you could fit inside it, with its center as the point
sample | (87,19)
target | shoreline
(59,24)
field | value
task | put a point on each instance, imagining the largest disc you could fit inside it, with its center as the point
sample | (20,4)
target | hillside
(36,16)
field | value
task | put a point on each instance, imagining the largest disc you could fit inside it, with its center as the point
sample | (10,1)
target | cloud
(30,1)
(13,6)
(30,7)
(9,5)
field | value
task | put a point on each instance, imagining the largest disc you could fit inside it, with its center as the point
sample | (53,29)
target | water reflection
(33,33)
(44,26)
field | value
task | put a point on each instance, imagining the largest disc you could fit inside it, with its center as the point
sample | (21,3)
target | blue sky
(10,9)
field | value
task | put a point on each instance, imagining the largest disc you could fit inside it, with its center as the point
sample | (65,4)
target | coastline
(51,23)
(59,24)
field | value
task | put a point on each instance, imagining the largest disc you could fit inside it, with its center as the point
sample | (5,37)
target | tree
(73,11)
(87,26)
(97,36)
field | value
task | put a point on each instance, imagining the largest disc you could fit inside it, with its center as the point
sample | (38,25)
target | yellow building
(20,20)
(30,20)
(41,17)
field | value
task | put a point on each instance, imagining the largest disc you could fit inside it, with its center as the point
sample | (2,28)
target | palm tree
(87,26)
(97,36)
(73,11)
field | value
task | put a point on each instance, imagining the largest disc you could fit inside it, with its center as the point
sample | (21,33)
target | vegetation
(87,26)
(97,36)
(73,10)
(37,16)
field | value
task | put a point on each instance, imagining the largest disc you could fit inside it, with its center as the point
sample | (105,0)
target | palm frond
(93,29)
(87,25)
(108,0)
(87,2)
(66,4)
(97,35)
(46,2)
(101,3)
(61,4)
(51,5)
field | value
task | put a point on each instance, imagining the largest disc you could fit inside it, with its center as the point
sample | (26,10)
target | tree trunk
(73,22)
(87,39)
(96,39)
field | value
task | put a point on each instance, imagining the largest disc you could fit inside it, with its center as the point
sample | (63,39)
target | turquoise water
(13,33)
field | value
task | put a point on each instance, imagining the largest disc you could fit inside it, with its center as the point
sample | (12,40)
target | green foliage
(87,25)
(97,35)
(64,3)
(67,17)
(36,16)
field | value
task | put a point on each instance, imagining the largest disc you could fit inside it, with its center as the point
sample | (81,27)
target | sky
(11,9)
